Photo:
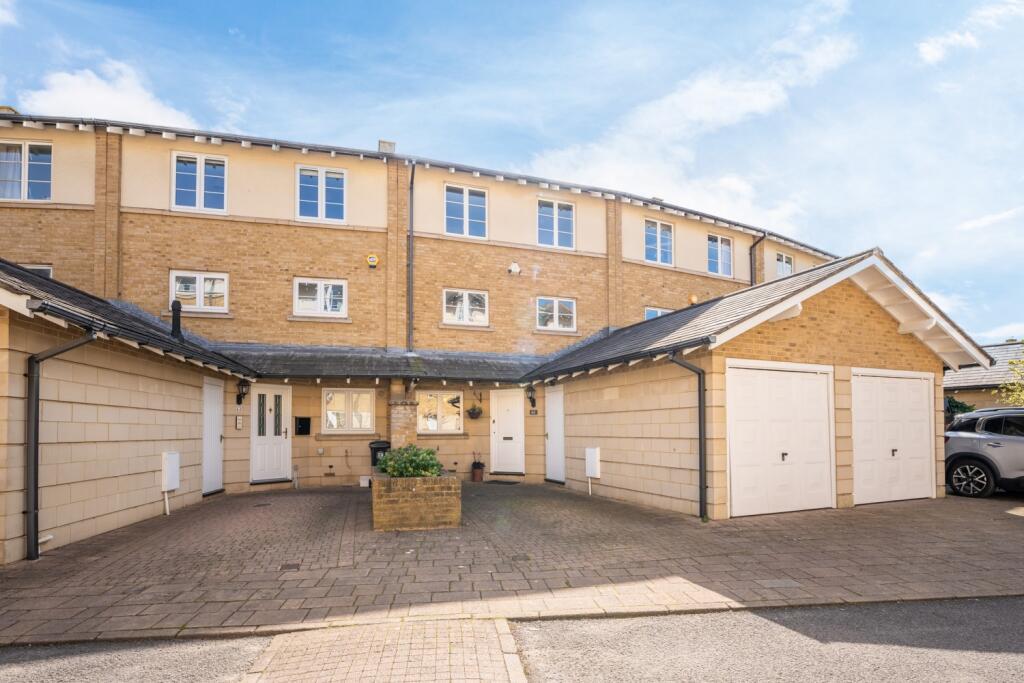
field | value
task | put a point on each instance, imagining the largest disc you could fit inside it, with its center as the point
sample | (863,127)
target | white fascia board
(16,302)
(790,301)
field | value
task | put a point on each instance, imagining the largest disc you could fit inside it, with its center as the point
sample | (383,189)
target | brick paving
(279,561)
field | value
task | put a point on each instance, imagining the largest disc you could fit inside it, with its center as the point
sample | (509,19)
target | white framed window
(439,412)
(465,307)
(783,264)
(202,292)
(319,297)
(720,255)
(347,410)
(320,194)
(38,269)
(26,171)
(650,312)
(556,224)
(554,313)
(200,182)
(657,242)
(465,211)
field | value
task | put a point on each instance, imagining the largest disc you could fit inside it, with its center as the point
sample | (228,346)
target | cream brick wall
(106,415)
(979,398)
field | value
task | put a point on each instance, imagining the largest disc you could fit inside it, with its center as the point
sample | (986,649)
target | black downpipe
(702,441)
(176,319)
(32,440)
(409,267)
(753,258)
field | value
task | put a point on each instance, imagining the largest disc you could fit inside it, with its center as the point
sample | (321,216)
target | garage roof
(284,360)
(985,378)
(34,295)
(713,323)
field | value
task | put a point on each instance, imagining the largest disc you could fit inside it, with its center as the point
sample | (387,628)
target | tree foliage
(955,406)
(1012,393)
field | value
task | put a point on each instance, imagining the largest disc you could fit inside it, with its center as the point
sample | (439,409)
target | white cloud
(116,92)
(1002,333)
(949,303)
(7,15)
(991,17)
(651,147)
(990,219)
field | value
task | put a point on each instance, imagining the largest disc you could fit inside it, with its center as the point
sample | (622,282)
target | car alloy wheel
(969,479)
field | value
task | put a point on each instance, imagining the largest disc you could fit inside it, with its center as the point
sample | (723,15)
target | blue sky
(845,124)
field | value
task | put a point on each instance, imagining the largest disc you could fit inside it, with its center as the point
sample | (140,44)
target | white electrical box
(171,471)
(594,462)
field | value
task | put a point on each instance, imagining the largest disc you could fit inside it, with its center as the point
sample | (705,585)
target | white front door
(893,438)
(213,435)
(779,439)
(508,432)
(554,426)
(271,434)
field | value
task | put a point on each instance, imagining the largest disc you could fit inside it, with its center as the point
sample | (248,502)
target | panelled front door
(271,436)
(213,435)
(554,441)
(508,432)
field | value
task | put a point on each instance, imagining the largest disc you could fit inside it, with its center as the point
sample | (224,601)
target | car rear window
(964,424)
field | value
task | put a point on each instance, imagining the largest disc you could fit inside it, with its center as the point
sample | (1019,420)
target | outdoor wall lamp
(243,389)
(531,394)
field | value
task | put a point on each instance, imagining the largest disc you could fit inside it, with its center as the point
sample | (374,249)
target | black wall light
(531,394)
(243,389)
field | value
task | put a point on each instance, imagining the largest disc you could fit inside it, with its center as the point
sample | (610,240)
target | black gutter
(32,439)
(409,267)
(542,373)
(753,258)
(702,446)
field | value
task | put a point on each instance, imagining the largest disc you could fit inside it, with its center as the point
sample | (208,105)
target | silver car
(985,450)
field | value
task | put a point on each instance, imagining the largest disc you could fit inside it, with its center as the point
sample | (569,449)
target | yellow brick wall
(261,260)
(644,286)
(106,414)
(62,238)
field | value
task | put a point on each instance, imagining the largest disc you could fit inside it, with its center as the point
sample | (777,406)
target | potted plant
(477,468)
(474,412)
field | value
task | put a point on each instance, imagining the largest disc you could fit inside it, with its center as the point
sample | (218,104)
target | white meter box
(593,462)
(171,471)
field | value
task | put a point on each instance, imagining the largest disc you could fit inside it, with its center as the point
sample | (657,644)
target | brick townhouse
(331,297)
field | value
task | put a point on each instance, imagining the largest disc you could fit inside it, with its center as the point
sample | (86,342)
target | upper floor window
(465,307)
(200,182)
(658,242)
(783,264)
(465,211)
(439,412)
(26,171)
(347,410)
(38,269)
(556,314)
(321,193)
(719,255)
(650,313)
(203,292)
(318,297)
(556,224)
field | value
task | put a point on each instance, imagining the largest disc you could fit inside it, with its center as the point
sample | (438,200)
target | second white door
(271,437)
(779,433)
(508,432)
(554,426)
(213,435)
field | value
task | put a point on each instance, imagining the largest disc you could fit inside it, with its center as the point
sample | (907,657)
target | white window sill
(443,435)
(560,333)
(207,212)
(321,221)
(201,314)
(346,436)
(318,319)
(457,326)
(555,248)
(457,236)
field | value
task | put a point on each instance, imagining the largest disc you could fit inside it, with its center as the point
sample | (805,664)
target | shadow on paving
(242,563)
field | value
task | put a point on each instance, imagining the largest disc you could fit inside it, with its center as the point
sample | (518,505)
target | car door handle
(894,452)
(784,454)
(994,444)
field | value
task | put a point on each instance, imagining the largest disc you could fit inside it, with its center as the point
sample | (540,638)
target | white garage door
(893,439)
(780,435)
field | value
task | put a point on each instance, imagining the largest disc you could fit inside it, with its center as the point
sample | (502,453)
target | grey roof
(462,168)
(118,319)
(984,378)
(688,327)
(283,360)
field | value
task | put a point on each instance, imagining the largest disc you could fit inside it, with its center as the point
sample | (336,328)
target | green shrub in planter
(410,461)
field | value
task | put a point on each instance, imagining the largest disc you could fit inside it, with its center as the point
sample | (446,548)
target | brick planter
(409,503)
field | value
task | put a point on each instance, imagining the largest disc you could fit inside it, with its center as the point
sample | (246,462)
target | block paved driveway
(279,561)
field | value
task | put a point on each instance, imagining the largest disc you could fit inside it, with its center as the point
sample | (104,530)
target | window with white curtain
(200,292)
(465,307)
(319,297)
(26,171)
(347,410)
